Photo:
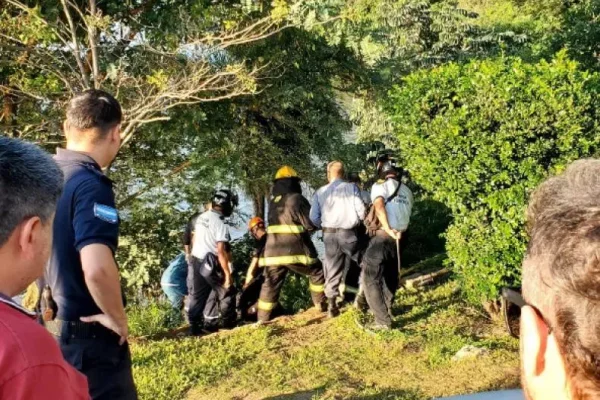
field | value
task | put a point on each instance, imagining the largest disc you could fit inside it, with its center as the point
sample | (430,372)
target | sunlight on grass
(309,357)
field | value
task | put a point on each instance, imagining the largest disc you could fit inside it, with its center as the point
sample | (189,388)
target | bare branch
(92,35)
(175,171)
(76,48)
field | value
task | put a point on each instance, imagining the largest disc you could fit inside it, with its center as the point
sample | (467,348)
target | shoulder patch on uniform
(106,213)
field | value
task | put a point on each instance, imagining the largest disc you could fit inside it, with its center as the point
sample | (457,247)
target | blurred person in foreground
(89,322)
(560,325)
(31,364)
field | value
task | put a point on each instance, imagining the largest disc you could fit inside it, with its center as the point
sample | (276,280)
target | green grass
(149,318)
(309,357)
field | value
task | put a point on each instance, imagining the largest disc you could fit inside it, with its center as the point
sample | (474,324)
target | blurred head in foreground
(30,185)
(560,327)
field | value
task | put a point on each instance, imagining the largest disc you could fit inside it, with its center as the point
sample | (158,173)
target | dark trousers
(351,280)
(248,300)
(205,277)
(275,278)
(212,311)
(105,363)
(340,250)
(380,276)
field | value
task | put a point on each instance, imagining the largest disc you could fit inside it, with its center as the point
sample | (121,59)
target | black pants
(351,280)
(105,363)
(212,311)
(205,277)
(248,300)
(275,278)
(380,276)
(340,251)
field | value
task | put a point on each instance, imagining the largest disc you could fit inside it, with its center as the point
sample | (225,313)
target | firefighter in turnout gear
(289,246)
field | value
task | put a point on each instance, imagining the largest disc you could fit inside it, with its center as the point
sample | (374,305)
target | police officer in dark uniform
(89,322)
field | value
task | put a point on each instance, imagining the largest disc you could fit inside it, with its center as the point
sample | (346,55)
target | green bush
(429,221)
(479,137)
(151,317)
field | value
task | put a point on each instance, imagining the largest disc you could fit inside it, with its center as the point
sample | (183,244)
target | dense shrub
(151,317)
(429,222)
(479,137)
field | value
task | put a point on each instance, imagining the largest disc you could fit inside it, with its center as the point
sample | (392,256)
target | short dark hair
(94,109)
(561,270)
(30,184)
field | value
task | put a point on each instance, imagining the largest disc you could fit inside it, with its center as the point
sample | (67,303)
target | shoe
(375,328)
(360,303)
(196,330)
(210,328)
(322,307)
(333,310)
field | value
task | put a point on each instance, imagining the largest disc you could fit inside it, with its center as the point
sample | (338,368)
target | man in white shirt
(393,203)
(337,209)
(209,270)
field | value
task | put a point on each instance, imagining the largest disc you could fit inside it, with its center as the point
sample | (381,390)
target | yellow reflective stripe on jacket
(317,288)
(285,229)
(285,260)
(265,305)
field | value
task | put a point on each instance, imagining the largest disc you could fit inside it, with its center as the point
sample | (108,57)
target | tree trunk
(258,202)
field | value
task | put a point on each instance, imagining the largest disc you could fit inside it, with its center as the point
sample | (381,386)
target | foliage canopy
(480,137)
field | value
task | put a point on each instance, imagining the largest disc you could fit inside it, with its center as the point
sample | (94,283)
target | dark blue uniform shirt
(86,214)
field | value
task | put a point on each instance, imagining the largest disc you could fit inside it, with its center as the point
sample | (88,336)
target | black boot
(333,310)
(360,303)
(196,329)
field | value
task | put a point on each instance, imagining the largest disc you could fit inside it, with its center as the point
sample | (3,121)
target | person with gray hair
(338,209)
(31,363)
(560,323)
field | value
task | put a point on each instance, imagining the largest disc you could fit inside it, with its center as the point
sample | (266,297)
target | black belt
(80,330)
(336,230)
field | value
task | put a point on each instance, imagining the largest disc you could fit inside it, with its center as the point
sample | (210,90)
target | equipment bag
(372,223)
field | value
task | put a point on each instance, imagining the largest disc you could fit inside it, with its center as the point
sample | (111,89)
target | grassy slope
(309,357)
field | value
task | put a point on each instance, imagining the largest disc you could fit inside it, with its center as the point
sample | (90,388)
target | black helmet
(226,200)
(387,166)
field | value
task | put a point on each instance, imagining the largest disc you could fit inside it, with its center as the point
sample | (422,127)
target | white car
(501,395)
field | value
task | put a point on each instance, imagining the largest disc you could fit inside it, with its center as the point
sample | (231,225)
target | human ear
(534,340)
(30,232)
(66,128)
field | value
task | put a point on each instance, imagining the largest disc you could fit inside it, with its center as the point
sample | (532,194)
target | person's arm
(103,281)
(96,227)
(379,205)
(42,381)
(315,211)
(359,204)
(251,270)
(303,214)
(222,255)
(188,237)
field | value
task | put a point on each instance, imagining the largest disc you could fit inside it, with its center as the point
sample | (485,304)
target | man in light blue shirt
(337,209)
